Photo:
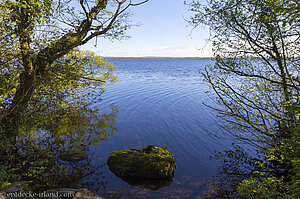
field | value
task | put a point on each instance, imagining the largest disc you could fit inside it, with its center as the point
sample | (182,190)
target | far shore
(158,57)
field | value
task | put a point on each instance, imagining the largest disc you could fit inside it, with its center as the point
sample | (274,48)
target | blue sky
(163,32)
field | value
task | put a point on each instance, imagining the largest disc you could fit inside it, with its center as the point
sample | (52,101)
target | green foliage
(61,105)
(70,87)
(42,69)
(287,152)
(263,188)
(285,155)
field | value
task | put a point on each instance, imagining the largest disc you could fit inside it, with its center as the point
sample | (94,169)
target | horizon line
(154,57)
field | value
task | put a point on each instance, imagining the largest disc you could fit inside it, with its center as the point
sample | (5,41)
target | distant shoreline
(158,57)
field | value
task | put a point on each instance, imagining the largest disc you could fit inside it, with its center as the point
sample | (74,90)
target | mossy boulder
(149,163)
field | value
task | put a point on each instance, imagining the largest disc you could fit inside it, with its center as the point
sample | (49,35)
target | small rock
(86,194)
(68,190)
(15,187)
(4,184)
(73,156)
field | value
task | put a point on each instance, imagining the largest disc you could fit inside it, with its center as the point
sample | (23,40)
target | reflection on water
(148,183)
(36,161)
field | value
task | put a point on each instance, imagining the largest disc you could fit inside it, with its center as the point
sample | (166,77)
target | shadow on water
(148,184)
(236,165)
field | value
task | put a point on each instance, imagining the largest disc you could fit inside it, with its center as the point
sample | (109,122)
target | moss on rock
(151,162)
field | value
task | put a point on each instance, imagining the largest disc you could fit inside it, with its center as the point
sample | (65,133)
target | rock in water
(73,156)
(151,163)
(11,188)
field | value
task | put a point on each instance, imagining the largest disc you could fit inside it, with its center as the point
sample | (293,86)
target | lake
(161,103)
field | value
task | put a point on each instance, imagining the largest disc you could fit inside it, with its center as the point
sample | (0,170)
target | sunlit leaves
(62,103)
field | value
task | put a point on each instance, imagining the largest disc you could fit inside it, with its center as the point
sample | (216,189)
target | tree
(255,78)
(41,67)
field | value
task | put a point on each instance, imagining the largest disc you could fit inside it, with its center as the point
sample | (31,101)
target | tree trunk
(11,120)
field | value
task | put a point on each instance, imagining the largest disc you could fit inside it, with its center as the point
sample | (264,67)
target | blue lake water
(161,103)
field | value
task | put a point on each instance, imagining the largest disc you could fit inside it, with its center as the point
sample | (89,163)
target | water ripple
(161,103)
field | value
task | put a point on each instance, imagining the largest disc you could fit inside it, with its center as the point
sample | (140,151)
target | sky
(163,32)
